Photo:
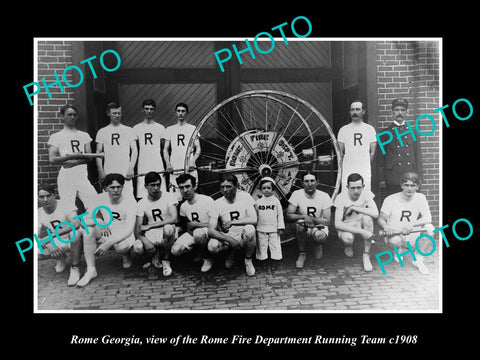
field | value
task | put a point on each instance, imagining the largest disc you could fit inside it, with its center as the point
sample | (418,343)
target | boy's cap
(267,178)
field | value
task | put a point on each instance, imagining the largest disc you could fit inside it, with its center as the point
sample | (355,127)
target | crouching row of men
(234,222)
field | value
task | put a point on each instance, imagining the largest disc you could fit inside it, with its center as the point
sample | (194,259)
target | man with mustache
(357,141)
(398,159)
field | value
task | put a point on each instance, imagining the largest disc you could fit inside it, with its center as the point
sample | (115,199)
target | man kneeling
(235,211)
(159,208)
(194,210)
(355,211)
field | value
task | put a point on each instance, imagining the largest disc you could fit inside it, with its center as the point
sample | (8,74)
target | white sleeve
(294,199)
(341,135)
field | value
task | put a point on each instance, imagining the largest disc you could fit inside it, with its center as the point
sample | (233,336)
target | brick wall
(53,56)
(410,69)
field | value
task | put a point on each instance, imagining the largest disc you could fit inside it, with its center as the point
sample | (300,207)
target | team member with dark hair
(160,209)
(177,139)
(50,214)
(118,143)
(403,212)
(151,137)
(232,224)
(118,234)
(355,211)
(195,211)
(309,207)
(66,148)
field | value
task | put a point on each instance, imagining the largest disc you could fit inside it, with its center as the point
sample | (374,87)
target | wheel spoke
(245,143)
(229,124)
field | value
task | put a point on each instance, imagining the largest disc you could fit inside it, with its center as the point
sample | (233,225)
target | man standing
(309,208)
(177,139)
(398,159)
(357,144)
(118,143)
(355,211)
(150,136)
(232,223)
(194,210)
(66,148)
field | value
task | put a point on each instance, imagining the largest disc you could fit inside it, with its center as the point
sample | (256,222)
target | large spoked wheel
(266,133)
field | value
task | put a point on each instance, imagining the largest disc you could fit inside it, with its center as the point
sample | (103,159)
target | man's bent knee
(138,247)
(200,235)
(319,236)
(178,249)
(367,222)
(346,237)
(215,246)
(249,232)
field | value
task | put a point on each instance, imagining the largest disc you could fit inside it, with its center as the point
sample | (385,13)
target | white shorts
(128,188)
(156,235)
(236,232)
(267,241)
(72,183)
(187,239)
(356,223)
(122,246)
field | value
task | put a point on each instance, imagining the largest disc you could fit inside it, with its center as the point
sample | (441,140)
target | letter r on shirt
(357,136)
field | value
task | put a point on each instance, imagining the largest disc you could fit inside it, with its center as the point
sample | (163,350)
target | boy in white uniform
(66,148)
(50,214)
(160,209)
(150,136)
(195,210)
(118,143)
(357,144)
(116,228)
(177,139)
(309,208)
(232,223)
(402,212)
(355,211)
(270,224)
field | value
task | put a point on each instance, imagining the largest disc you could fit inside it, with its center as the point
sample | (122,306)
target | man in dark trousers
(398,159)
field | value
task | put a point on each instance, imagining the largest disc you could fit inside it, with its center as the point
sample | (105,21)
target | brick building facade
(381,71)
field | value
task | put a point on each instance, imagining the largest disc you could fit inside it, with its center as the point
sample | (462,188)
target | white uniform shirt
(312,206)
(400,211)
(199,210)
(270,214)
(156,210)
(343,201)
(149,136)
(179,137)
(122,211)
(357,139)
(116,146)
(70,141)
(232,211)
(50,221)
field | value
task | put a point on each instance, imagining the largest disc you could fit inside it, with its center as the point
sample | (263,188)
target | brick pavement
(333,283)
